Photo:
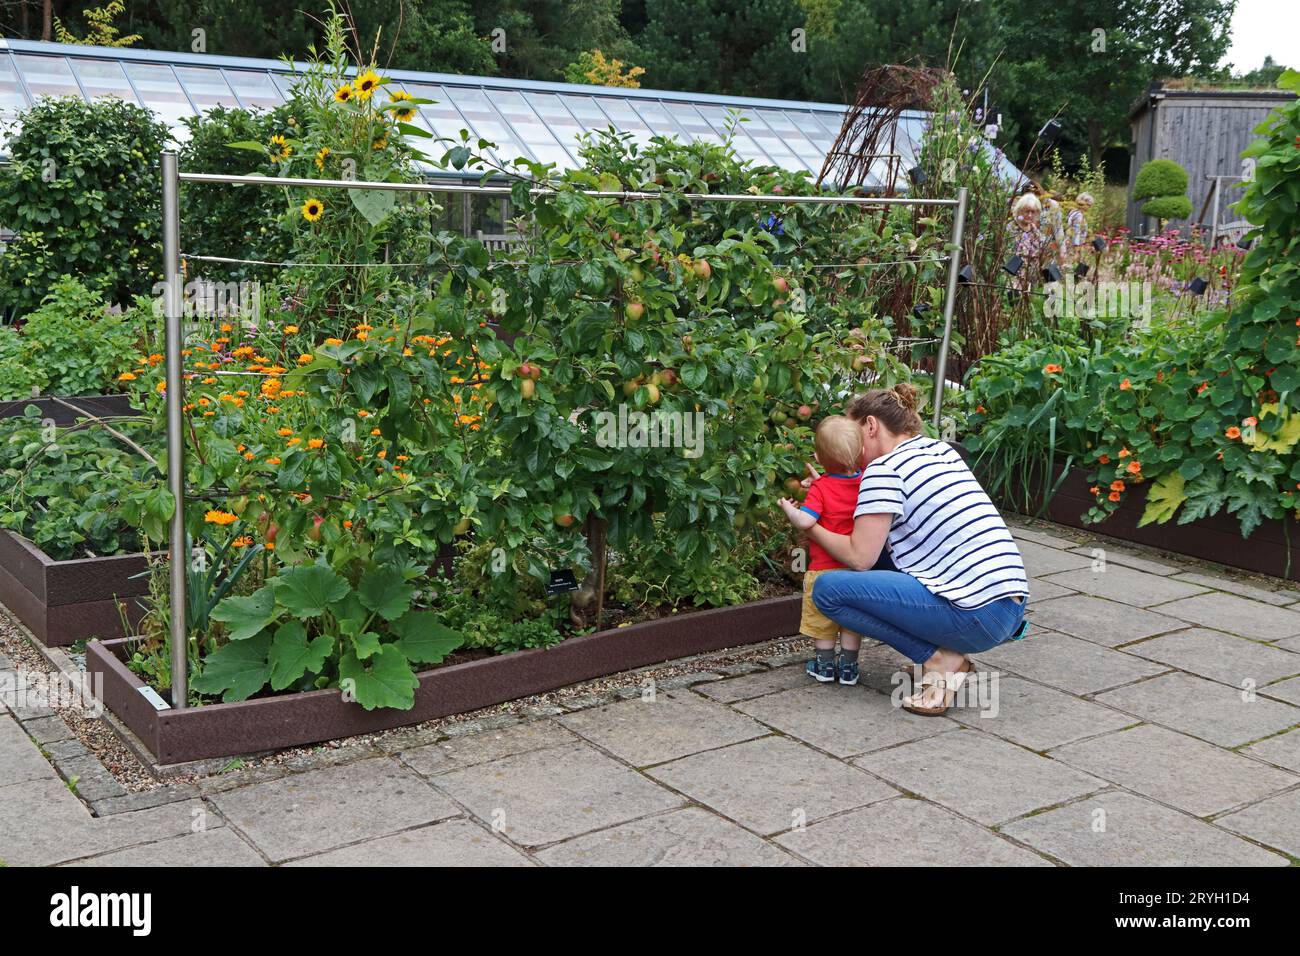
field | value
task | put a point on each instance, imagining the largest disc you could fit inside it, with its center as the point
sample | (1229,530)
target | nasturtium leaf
(366,645)
(293,655)
(385,681)
(237,670)
(246,617)
(1282,439)
(307,590)
(423,638)
(385,591)
(1164,495)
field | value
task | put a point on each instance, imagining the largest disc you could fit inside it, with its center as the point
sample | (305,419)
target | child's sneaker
(822,671)
(847,671)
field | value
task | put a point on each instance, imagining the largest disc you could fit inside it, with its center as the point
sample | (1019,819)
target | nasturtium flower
(1125,385)
(1117,485)
(1250,422)
(1114,496)
(313,209)
(220,517)
(1134,467)
(1233,432)
(1051,369)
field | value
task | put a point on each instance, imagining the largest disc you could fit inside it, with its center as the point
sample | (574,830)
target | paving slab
(979,776)
(843,721)
(1126,585)
(1236,615)
(1274,822)
(1043,590)
(1289,644)
(756,685)
(1039,717)
(1193,705)
(1068,663)
(20,760)
(687,837)
(1220,656)
(549,795)
(1251,592)
(671,725)
(48,730)
(1040,559)
(1176,769)
(1062,541)
(1109,623)
(1287,690)
(468,750)
(772,784)
(1281,749)
(218,847)
(456,842)
(304,813)
(1121,829)
(42,823)
(905,832)
(1128,559)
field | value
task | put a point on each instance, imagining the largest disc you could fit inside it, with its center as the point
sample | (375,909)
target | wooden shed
(1204,131)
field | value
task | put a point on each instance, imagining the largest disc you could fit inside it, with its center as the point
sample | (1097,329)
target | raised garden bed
(62,602)
(1217,538)
(100,406)
(271,723)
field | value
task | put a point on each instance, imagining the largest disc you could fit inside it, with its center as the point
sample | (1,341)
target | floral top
(1077,225)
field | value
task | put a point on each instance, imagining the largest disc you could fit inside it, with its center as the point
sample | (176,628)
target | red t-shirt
(831,500)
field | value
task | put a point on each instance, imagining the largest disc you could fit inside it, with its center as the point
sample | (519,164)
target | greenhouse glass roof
(536,120)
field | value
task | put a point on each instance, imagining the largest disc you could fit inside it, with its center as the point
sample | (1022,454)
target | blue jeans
(896,608)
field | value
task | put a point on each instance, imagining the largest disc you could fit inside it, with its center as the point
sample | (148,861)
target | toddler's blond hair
(838,443)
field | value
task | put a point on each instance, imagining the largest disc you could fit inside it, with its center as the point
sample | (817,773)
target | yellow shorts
(814,623)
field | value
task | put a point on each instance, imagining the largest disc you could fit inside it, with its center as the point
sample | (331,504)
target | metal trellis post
(177,556)
(950,301)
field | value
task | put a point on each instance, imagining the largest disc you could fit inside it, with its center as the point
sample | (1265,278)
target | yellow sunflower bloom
(343,93)
(365,85)
(405,114)
(321,157)
(313,209)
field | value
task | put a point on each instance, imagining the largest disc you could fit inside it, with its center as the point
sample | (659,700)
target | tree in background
(1161,187)
(102,32)
(592,67)
(1091,62)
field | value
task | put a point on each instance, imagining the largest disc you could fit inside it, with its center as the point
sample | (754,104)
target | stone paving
(1152,717)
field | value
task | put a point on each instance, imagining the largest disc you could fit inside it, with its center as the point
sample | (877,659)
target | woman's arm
(861,549)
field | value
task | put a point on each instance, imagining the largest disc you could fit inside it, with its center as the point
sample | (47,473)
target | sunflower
(406,114)
(280,148)
(313,209)
(343,93)
(366,84)
(321,157)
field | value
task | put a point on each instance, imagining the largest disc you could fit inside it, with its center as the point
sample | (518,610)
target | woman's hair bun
(908,396)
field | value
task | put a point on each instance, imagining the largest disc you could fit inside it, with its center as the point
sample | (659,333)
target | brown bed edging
(290,720)
(1217,538)
(62,602)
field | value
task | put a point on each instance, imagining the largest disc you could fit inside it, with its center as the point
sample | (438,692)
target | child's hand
(812,476)
(800,519)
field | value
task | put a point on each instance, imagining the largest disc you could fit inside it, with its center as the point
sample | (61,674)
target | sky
(1265,28)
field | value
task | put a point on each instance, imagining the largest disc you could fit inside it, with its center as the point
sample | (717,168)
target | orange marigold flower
(273,460)
(126,377)
(305,359)
(284,432)
(1233,432)
(290,330)
(332,341)
(220,517)
(347,524)
(243,541)
(315,443)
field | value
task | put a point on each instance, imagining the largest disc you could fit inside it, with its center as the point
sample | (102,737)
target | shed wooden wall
(1203,135)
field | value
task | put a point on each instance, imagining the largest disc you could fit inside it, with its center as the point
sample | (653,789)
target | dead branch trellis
(174,284)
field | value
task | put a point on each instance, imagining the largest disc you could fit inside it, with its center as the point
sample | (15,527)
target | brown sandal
(949,684)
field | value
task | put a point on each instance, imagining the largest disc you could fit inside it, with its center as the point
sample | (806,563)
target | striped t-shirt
(946,532)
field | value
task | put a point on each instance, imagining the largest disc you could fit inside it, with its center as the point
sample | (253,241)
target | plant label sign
(561,582)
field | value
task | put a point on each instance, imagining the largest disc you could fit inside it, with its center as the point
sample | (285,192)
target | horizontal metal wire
(519,264)
(549,190)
